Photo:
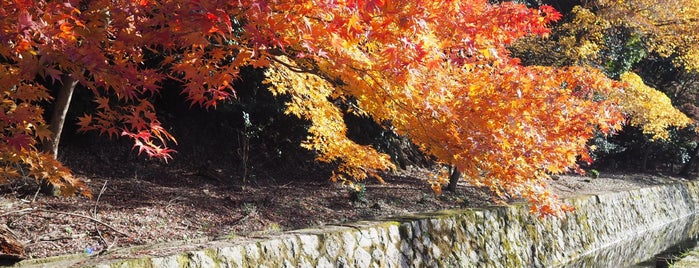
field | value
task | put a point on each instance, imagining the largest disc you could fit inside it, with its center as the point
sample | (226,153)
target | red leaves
(137,122)
(25,23)
(143,140)
(85,123)
(550,13)
(366,5)
(24,4)
(19,142)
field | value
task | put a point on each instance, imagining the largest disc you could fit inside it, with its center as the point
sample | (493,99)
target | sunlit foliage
(671,27)
(650,109)
(438,72)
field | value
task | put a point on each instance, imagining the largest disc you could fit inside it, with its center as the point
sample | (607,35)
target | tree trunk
(687,168)
(58,119)
(453,179)
(60,110)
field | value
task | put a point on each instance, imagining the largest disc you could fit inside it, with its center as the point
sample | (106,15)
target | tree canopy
(438,72)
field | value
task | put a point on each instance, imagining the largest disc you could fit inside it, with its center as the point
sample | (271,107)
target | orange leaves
(45,167)
(66,32)
(439,71)
(368,5)
(550,13)
(504,125)
(22,124)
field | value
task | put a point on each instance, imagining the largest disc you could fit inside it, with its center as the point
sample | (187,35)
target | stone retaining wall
(610,230)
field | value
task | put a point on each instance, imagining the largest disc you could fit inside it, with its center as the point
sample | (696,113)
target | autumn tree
(615,45)
(670,30)
(438,72)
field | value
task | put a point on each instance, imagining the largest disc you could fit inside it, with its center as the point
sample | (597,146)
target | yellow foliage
(670,27)
(309,99)
(581,39)
(578,41)
(583,36)
(648,108)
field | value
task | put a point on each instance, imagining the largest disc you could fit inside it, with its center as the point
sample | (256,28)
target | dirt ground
(139,202)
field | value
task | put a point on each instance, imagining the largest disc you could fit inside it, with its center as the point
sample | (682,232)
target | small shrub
(357,192)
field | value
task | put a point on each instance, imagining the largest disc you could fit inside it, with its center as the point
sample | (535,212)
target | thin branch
(28,210)
(85,217)
(293,68)
(674,22)
(40,239)
(104,187)
(94,214)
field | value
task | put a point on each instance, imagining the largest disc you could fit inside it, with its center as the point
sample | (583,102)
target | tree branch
(84,217)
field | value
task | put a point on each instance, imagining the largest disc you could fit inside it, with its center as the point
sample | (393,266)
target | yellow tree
(671,28)
(613,40)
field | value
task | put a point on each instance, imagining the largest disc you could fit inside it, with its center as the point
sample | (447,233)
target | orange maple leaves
(438,72)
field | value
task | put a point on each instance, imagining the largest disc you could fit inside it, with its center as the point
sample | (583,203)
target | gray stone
(362,258)
(169,261)
(367,237)
(200,259)
(417,231)
(231,255)
(427,242)
(342,262)
(424,225)
(418,245)
(309,245)
(305,263)
(350,242)
(287,264)
(403,263)
(393,234)
(418,261)
(436,253)
(377,254)
(382,234)
(393,254)
(406,249)
(332,245)
(473,256)
(324,263)
(436,224)
(406,229)
(292,246)
(595,235)
(272,249)
(252,252)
